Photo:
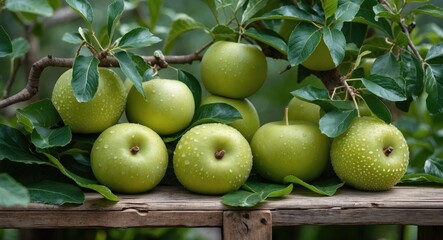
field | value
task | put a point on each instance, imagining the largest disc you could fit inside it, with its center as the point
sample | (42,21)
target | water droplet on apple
(187,162)
(106,146)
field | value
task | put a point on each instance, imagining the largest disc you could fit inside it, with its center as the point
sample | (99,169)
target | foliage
(405,76)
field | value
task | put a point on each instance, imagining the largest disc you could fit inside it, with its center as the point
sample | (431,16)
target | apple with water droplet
(212,158)
(371,155)
(290,148)
(233,70)
(129,158)
(168,107)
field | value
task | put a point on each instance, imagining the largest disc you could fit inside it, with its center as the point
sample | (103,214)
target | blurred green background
(269,101)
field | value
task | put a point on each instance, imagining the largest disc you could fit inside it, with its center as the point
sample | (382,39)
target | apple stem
(387,151)
(219,154)
(287,116)
(135,149)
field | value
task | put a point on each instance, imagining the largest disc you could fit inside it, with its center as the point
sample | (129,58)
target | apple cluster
(215,158)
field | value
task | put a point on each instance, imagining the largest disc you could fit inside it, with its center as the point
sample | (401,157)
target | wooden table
(174,206)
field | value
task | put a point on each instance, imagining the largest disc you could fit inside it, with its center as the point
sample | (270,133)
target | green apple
(366,64)
(101,112)
(371,155)
(320,59)
(295,148)
(233,70)
(212,158)
(168,108)
(300,110)
(250,121)
(129,158)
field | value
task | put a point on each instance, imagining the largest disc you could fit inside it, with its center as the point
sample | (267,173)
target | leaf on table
(253,193)
(12,193)
(57,193)
(83,182)
(242,198)
(323,186)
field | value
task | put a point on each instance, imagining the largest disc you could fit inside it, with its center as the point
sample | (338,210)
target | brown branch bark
(37,68)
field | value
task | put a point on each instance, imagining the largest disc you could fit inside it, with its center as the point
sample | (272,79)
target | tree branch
(37,68)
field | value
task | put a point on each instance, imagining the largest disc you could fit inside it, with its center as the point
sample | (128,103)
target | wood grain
(174,206)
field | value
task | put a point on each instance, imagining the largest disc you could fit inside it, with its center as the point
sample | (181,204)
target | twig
(37,68)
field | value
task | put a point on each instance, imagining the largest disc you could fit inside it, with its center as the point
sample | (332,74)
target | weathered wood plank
(174,206)
(247,225)
(109,219)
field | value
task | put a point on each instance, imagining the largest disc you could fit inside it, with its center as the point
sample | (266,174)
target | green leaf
(41,113)
(143,68)
(324,186)
(377,107)
(138,38)
(83,182)
(193,84)
(73,38)
(268,37)
(181,24)
(384,87)
(14,146)
(434,88)
(12,193)
(85,77)
(413,73)
(320,96)
(429,9)
(19,47)
(223,32)
(302,42)
(212,6)
(329,7)
(115,11)
(155,8)
(355,33)
(129,68)
(268,189)
(5,43)
(382,12)
(209,113)
(39,7)
(216,112)
(253,7)
(435,54)
(292,12)
(336,122)
(83,8)
(420,178)
(434,166)
(336,42)
(256,193)
(346,11)
(367,16)
(241,198)
(387,65)
(47,138)
(57,193)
